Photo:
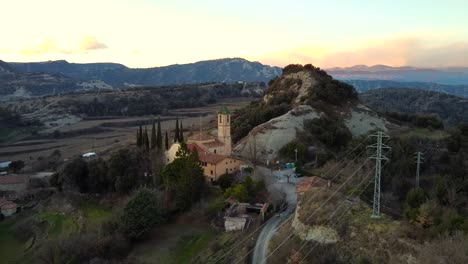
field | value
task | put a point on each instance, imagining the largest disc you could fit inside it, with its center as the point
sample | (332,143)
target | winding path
(260,252)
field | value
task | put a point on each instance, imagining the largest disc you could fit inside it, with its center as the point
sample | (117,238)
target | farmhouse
(14,185)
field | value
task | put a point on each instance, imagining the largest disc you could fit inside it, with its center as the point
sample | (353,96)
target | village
(21,191)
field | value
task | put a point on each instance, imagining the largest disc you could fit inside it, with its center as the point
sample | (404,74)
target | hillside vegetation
(134,102)
(451,109)
(298,85)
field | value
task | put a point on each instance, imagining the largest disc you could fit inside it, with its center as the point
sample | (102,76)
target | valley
(104,135)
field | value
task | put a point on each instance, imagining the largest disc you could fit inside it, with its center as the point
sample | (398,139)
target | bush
(332,133)
(224,181)
(141,214)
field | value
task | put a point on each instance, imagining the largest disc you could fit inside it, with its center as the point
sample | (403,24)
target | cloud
(48,46)
(89,43)
(398,51)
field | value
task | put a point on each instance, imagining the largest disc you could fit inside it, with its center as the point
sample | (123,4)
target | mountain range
(448,76)
(26,79)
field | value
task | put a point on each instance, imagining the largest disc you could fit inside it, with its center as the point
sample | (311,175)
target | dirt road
(274,185)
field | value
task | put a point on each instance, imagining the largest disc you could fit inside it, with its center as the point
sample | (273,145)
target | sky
(149,33)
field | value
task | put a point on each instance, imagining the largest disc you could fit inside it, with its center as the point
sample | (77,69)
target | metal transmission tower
(419,160)
(378,156)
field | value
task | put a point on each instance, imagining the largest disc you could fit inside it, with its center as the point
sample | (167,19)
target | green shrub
(141,214)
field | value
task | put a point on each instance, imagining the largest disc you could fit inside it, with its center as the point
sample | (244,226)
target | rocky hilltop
(303,99)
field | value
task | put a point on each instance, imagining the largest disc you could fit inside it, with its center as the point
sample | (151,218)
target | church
(214,151)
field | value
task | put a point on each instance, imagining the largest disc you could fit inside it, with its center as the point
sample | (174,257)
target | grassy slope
(174,243)
(10,247)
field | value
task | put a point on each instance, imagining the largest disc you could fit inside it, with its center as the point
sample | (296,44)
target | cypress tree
(181,136)
(146,140)
(153,136)
(176,133)
(167,141)
(159,135)
(139,137)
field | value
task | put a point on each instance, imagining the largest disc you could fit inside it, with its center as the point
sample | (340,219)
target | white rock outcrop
(268,138)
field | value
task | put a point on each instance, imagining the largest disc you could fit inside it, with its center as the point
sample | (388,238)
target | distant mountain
(451,109)
(450,76)
(366,85)
(6,68)
(221,70)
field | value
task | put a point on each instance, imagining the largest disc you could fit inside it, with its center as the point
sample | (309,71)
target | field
(106,134)
(174,244)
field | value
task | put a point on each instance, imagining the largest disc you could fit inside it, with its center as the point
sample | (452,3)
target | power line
(338,219)
(343,203)
(316,210)
(335,166)
(315,194)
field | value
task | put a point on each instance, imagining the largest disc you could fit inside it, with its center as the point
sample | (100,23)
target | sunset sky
(147,33)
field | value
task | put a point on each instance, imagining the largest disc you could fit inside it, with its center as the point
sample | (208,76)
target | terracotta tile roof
(4,204)
(213,144)
(308,183)
(13,179)
(201,136)
(212,158)
(195,147)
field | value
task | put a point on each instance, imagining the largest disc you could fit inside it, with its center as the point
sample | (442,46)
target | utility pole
(295,150)
(378,156)
(419,160)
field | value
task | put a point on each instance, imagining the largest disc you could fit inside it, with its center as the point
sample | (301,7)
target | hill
(221,70)
(55,111)
(451,109)
(305,105)
(450,76)
(363,86)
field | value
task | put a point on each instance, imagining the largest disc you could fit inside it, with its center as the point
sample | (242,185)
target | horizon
(232,58)
(332,34)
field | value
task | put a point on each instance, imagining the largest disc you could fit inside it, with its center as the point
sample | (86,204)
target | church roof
(195,147)
(224,110)
(201,137)
(212,158)
(213,144)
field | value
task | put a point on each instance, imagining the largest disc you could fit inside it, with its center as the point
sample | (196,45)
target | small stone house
(7,208)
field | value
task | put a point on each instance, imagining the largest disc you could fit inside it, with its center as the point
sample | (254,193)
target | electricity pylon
(378,156)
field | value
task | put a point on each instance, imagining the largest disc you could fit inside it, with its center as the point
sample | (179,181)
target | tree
(141,214)
(167,141)
(181,135)
(16,166)
(98,180)
(140,137)
(153,136)
(75,175)
(224,181)
(159,135)
(123,170)
(238,191)
(183,178)
(176,132)
(146,140)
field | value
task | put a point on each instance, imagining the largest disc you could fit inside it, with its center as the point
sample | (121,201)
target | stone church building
(214,151)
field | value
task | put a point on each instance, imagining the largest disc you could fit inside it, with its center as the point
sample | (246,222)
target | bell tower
(224,129)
